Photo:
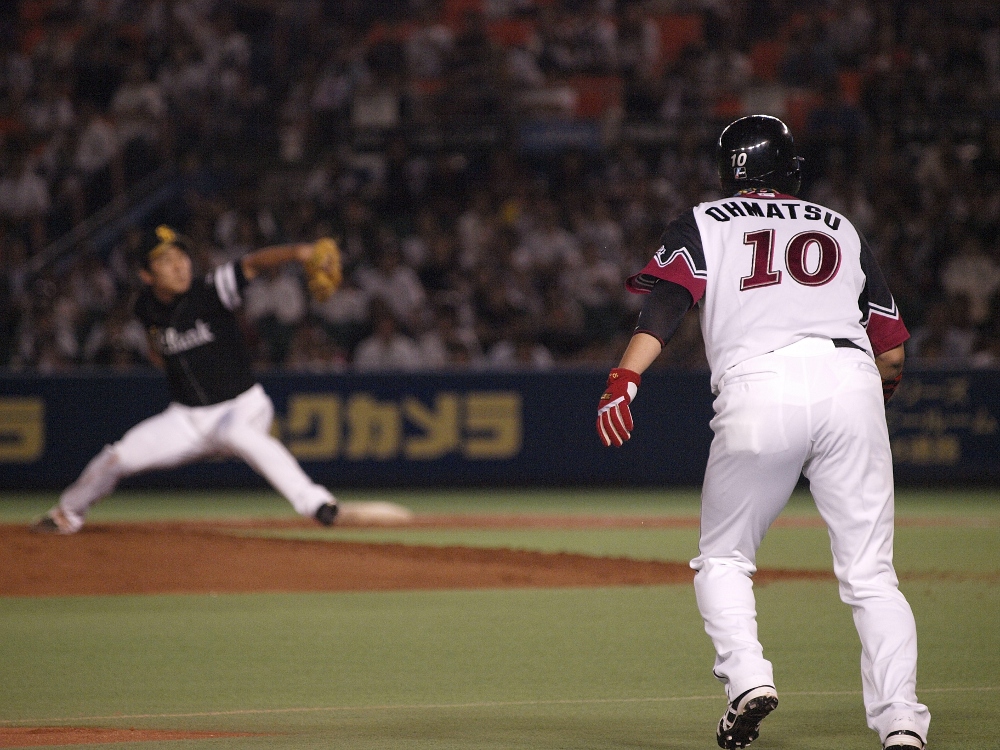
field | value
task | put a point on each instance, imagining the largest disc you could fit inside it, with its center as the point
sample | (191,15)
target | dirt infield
(216,557)
(38,736)
(233,557)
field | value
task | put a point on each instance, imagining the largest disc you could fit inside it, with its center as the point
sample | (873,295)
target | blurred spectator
(24,199)
(312,350)
(946,336)
(139,111)
(893,104)
(344,315)
(973,274)
(237,234)
(439,273)
(498,302)
(392,282)
(97,152)
(50,111)
(638,48)
(388,348)
(809,55)
(446,344)
(986,351)
(598,286)
(561,328)
(547,248)
(520,351)
(10,312)
(92,289)
(16,74)
(117,341)
(275,304)
(475,227)
(851,32)
(376,104)
(833,131)
(597,227)
(429,47)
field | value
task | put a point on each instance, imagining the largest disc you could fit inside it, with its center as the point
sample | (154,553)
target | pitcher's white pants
(180,434)
(817,410)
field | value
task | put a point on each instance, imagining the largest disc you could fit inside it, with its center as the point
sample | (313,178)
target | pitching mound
(155,558)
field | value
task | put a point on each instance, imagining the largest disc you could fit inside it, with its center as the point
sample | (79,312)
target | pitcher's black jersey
(207,359)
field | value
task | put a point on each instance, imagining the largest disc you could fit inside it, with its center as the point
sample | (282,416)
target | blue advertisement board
(385,430)
(943,425)
(455,430)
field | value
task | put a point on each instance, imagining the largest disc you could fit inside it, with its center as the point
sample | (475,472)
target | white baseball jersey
(767,270)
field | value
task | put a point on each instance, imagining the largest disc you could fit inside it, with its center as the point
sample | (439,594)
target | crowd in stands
(398,128)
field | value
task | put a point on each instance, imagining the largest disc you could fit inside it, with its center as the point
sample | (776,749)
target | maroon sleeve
(879,313)
(680,259)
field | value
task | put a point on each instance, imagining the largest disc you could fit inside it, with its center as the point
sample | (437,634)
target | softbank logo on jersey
(773,210)
(175,342)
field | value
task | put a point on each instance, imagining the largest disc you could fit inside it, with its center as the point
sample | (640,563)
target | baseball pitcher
(217,407)
(804,342)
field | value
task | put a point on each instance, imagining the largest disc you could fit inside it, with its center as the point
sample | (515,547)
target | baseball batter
(804,342)
(217,407)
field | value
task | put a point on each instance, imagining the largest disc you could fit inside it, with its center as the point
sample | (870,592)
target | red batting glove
(614,420)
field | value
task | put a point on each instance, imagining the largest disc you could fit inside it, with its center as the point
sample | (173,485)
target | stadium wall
(476,429)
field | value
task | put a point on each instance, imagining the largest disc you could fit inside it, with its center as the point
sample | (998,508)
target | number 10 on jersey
(825,263)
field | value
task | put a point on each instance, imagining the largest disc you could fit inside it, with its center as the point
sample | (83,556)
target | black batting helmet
(758,152)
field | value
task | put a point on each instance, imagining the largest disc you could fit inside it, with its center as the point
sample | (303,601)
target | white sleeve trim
(226,287)
(685,255)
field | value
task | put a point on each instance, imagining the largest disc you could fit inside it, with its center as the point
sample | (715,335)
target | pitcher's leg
(247,434)
(164,440)
(851,480)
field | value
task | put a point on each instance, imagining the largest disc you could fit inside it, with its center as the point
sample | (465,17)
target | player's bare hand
(614,419)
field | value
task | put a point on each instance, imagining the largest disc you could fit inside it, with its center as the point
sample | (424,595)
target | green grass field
(601,668)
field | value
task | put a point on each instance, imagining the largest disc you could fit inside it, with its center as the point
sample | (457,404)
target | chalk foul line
(446,706)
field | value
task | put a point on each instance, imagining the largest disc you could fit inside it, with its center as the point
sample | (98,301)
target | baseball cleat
(904,739)
(740,725)
(54,522)
(326,514)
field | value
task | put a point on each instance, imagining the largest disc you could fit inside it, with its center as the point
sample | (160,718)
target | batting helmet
(758,152)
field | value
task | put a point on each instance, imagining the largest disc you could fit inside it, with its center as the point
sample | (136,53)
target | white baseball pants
(180,434)
(815,410)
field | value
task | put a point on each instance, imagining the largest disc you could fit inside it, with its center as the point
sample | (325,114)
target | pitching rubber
(374,513)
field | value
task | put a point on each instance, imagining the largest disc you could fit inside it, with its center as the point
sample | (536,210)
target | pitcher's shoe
(326,514)
(740,725)
(55,522)
(904,739)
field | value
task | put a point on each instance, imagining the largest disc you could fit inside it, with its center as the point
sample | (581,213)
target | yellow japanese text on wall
(22,429)
(479,425)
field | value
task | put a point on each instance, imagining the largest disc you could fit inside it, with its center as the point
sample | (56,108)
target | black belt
(846,344)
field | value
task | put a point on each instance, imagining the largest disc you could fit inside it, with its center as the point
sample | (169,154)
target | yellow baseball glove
(323,269)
